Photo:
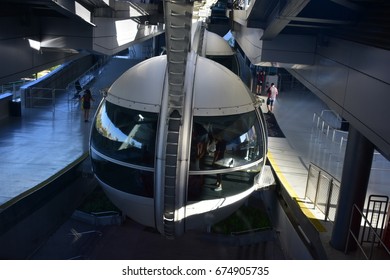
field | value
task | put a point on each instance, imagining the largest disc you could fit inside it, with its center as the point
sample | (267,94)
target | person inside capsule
(240,138)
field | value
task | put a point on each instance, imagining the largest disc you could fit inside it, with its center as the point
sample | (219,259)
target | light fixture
(34,44)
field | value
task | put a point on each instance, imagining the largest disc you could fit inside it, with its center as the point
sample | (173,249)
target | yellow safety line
(293,194)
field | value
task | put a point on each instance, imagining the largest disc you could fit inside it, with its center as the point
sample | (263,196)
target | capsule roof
(217,90)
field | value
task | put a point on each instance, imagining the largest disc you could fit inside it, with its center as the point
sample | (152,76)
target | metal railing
(329,143)
(322,189)
(84,79)
(376,211)
(376,248)
(330,126)
(36,97)
(13,88)
(40,97)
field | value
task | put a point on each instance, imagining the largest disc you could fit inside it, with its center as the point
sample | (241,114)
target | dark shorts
(86,105)
(270,101)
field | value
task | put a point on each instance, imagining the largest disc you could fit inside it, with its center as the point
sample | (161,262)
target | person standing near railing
(86,100)
(260,77)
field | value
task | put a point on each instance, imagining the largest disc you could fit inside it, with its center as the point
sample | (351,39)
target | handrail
(325,127)
(13,87)
(324,121)
(51,93)
(357,238)
(333,126)
(333,112)
(93,68)
(332,191)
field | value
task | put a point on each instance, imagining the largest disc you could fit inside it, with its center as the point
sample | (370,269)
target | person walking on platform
(86,103)
(272,93)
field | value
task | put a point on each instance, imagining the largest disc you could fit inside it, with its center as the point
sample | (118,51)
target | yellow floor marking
(294,195)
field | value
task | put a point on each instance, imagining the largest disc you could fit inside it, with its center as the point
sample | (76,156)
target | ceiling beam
(278,18)
(347,4)
(308,26)
(317,20)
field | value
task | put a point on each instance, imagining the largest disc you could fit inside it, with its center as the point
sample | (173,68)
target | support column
(356,174)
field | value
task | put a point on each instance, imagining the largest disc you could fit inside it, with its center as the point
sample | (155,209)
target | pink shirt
(274,92)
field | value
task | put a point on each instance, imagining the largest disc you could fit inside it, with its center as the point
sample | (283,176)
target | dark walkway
(132,241)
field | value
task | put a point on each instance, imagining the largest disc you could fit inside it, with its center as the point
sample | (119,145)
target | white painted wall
(353,80)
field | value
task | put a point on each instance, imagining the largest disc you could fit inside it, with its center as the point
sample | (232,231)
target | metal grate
(376,215)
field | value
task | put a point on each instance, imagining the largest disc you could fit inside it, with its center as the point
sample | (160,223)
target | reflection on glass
(226,142)
(129,180)
(229,61)
(204,187)
(125,134)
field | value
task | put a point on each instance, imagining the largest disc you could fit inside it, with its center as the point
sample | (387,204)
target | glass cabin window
(226,141)
(125,179)
(125,134)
